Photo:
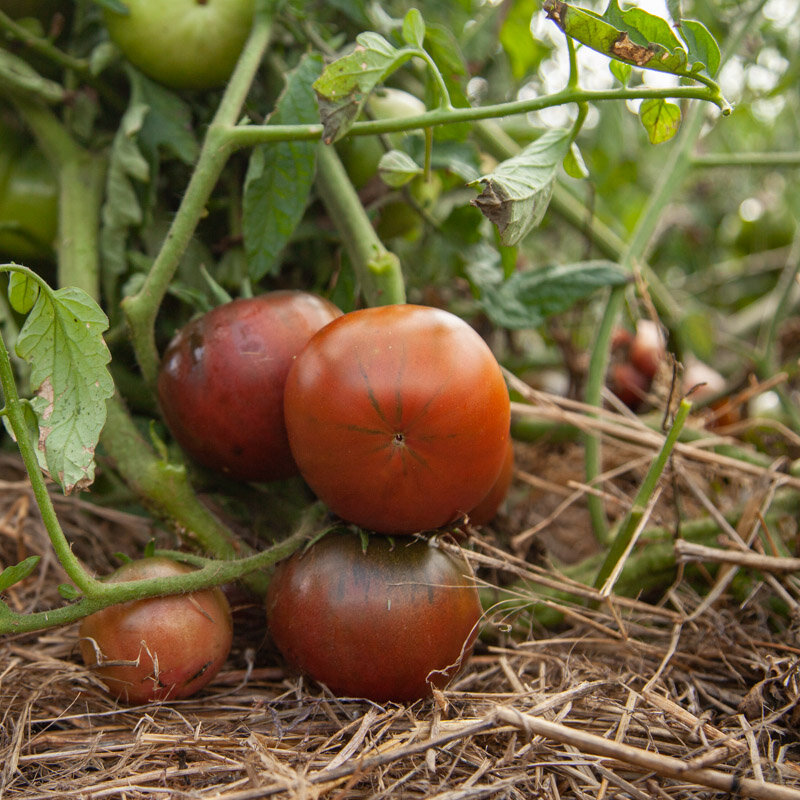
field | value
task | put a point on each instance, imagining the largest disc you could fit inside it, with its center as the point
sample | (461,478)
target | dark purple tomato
(398,417)
(386,624)
(161,648)
(222,377)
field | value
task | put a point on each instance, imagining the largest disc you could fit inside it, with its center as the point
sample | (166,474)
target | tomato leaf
(17,75)
(22,291)
(397,168)
(574,165)
(703,47)
(413,28)
(280,175)
(621,71)
(633,36)
(62,340)
(524,53)
(661,119)
(18,572)
(516,195)
(344,85)
(528,298)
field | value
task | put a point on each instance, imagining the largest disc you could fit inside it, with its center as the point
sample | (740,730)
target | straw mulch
(688,691)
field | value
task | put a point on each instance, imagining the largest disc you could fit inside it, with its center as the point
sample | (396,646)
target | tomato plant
(222,376)
(28,200)
(185,44)
(160,648)
(385,622)
(398,417)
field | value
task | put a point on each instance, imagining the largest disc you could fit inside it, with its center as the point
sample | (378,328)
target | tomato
(647,351)
(487,509)
(385,624)
(629,384)
(220,385)
(361,154)
(28,200)
(398,417)
(159,648)
(185,44)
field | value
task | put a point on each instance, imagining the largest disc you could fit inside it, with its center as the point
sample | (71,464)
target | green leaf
(413,28)
(167,122)
(344,85)
(661,119)
(574,165)
(18,76)
(621,71)
(524,53)
(68,591)
(18,572)
(62,339)
(280,175)
(397,168)
(633,36)
(703,47)
(528,298)
(516,195)
(22,291)
(445,50)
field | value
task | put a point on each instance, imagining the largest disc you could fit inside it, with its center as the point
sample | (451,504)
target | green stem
(102,595)
(745,159)
(80,186)
(242,136)
(628,527)
(674,170)
(377,269)
(142,308)
(14,411)
(43,46)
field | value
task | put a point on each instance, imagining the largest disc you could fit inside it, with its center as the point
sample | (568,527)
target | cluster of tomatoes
(397,417)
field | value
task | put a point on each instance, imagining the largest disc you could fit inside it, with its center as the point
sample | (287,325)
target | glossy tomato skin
(398,417)
(180,642)
(487,509)
(386,624)
(221,382)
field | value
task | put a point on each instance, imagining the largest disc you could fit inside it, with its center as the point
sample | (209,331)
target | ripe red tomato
(221,382)
(398,417)
(385,624)
(159,648)
(487,509)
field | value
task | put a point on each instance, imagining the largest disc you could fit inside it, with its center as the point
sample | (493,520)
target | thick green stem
(378,270)
(142,308)
(80,184)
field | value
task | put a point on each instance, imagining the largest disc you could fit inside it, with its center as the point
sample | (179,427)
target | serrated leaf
(574,165)
(516,195)
(528,298)
(344,85)
(661,119)
(413,28)
(633,36)
(702,46)
(22,292)
(18,572)
(397,168)
(62,339)
(280,175)
(620,70)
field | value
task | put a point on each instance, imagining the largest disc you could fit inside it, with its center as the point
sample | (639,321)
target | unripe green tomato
(184,44)
(361,154)
(399,218)
(28,201)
